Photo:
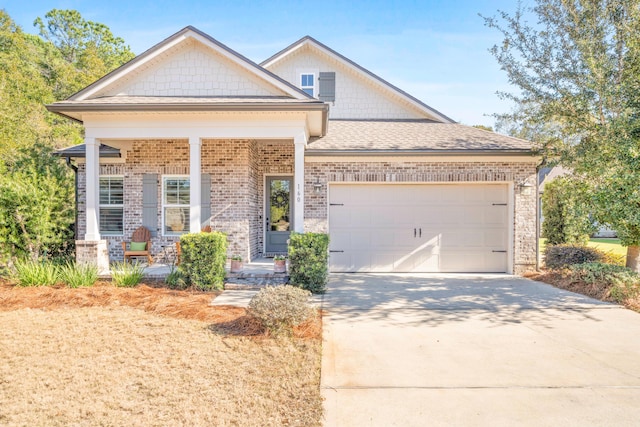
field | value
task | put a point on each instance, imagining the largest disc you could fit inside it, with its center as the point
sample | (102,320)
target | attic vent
(327,86)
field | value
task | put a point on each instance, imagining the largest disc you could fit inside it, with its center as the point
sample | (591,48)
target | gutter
(401,152)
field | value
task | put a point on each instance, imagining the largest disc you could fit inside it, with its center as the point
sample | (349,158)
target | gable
(359,94)
(190,64)
(191,69)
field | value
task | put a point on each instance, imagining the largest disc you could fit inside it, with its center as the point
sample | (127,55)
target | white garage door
(418,227)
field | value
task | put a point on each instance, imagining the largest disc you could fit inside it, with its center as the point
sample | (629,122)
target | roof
(310,41)
(406,136)
(189,32)
(554,173)
(80,150)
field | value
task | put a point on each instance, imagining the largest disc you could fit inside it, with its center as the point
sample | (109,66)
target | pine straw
(152,299)
(597,291)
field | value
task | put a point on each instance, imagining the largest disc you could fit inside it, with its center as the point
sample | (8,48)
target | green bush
(623,282)
(562,256)
(203,259)
(78,275)
(126,275)
(280,308)
(36,273)
(175,279)
(566,211)
(309,261)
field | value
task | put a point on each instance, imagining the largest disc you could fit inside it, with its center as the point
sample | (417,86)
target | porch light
(525,187)
(317,186)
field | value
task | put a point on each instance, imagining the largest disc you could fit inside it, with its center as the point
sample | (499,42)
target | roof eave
(418,152)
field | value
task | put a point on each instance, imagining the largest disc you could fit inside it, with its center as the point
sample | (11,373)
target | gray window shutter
(205,199)
(327,86)
(150,202)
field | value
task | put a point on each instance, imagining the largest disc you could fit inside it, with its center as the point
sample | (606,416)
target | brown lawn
(150,357)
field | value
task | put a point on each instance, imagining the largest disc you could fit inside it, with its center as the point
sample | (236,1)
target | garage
(419,227)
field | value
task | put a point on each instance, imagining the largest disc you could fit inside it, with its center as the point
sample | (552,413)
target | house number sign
(298,198)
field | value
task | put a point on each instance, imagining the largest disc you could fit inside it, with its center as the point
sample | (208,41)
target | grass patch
(612,246)
(125,274)
(36,273)
(150,356)
(78,275)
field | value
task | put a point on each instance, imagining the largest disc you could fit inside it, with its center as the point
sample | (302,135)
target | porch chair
(205,229)
(140,244)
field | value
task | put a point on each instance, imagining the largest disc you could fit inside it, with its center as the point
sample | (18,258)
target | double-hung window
(308,83)
(111,205)
(175,205)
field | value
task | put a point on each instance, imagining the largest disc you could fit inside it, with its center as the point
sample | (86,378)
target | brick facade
(238,169)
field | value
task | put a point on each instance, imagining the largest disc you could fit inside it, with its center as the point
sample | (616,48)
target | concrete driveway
(493,350)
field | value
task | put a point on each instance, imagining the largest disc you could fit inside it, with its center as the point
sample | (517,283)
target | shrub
(309,261)
(35,273)
(175,279)
(623,283)
(566,211)
(203,259)
(280,308)
(78,275)
(561,256)
(125,274)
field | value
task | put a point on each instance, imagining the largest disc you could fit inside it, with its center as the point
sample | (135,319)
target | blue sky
(435,50)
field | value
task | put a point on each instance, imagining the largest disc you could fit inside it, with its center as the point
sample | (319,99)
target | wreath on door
(280,198)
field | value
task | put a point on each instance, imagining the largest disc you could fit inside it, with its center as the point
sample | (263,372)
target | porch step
(254,281)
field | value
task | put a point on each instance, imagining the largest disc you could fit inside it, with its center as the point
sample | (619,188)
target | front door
(278,213)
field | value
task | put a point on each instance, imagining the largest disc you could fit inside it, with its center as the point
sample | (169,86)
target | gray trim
(362,69)
(434,153)
(171,38)
(205,199)
(230,106)
(150,202)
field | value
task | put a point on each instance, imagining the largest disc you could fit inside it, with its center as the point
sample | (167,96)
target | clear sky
(435,50)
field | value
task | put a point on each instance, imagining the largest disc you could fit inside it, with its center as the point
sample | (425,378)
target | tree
(36,205)
(577,71)
(78,51)
(566,212)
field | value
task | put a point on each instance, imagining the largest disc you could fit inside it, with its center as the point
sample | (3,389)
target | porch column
(195,184)
(92,173)
(300,143)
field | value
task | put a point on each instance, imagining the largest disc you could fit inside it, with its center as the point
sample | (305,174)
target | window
(175,205)
(307,83)
(111,205)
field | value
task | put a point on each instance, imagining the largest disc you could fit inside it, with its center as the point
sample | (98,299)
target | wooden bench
(141,234)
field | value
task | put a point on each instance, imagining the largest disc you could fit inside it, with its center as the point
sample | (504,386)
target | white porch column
(195,184)
(300,143)
(92,171)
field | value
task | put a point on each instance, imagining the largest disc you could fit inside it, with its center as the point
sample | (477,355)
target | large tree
(577,71)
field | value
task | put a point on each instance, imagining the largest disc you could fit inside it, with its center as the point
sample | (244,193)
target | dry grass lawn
(149,357)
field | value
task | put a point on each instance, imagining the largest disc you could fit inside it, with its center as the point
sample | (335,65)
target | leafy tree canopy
(577,71)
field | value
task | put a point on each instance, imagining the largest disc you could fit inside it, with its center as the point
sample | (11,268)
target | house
(191,133)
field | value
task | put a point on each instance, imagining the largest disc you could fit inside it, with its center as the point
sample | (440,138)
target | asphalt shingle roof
(387,135)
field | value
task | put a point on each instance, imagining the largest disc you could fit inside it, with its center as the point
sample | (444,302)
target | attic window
(307,83)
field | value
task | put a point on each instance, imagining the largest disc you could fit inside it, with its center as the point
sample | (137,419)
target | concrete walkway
(468,350)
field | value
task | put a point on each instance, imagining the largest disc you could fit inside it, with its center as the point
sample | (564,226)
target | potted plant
(279,264)
(236,264)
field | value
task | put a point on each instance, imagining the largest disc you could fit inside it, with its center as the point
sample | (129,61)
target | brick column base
(93,252)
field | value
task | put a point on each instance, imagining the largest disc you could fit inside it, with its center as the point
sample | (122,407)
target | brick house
(191,133)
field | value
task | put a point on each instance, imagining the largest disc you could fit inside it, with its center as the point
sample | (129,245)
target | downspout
(75,192)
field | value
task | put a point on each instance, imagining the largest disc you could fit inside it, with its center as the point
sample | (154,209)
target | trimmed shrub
(126,275)
(566,211)
(35,273)
(561,256)
(280,308)
(623,283)
(203,258)
(309,261)
(78,275)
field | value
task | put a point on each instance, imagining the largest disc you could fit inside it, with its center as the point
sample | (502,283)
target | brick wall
(525,236)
